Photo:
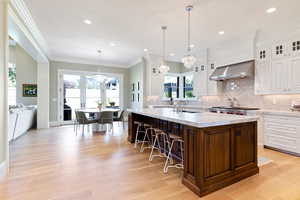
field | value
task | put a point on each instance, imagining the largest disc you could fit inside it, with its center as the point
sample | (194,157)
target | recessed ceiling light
(221,32)
(113,44)
(87,21)
(146,50)
(192,45)
(271,10)
(172,54)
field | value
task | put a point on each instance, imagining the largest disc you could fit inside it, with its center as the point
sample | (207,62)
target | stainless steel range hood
(233,71)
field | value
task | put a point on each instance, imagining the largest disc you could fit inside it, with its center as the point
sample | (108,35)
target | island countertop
(199,119)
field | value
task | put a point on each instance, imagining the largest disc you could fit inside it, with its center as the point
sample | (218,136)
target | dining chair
(84,121)
(106,117)
(121,118)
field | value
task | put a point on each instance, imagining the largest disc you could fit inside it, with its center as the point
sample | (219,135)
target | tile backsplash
(243,91)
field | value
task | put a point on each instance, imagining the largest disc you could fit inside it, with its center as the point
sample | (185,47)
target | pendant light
(189,60)
(164,68)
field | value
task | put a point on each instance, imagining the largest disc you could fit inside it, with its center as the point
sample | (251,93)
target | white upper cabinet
(277,69)
(212,86)
(295,46)
(295,75)
(279,76)
(262,70)
(201,80)
(279,51)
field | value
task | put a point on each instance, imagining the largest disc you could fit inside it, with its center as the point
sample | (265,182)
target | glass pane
(170,86)
(93,90)
(112,86)
(188,86)
(71,96)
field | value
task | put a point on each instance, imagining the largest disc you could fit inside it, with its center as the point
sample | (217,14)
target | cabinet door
(263,53)
(262,77)
(295,47)
(279,76)
(212,86)
(245,145)
(295,74)
(202,78)
(279,51)
(217,152)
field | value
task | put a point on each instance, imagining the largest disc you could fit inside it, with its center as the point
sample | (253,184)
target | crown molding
(24,14)
(139,60)
(85,62)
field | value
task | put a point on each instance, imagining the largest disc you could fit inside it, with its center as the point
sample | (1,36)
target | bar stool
(157,134)
(180,165)
(149,135)
(141,127)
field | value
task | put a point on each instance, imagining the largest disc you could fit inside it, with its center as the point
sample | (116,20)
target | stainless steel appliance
(231,110)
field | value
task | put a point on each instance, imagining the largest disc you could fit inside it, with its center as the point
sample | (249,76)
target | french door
(78,92)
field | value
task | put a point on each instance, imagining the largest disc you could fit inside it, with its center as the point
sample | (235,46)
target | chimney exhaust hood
(233,71)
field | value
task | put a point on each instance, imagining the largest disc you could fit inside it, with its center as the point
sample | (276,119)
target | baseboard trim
(54,124)
(3,170)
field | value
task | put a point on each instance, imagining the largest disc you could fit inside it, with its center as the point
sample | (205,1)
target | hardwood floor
(57,165)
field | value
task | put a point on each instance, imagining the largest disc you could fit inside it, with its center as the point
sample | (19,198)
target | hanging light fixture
(164,68)
(189,60)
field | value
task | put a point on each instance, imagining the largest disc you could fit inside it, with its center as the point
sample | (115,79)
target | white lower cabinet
(282,133)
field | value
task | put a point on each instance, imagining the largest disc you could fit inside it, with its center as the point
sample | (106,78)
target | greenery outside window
(12,92)
(188,87)
(171,86)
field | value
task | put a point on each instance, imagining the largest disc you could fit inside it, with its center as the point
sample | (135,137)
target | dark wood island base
(214,157)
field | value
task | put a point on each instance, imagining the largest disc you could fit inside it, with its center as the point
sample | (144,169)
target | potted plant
(112,104)
(99,103)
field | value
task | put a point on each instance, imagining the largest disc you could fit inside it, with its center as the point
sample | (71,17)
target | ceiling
(134,25)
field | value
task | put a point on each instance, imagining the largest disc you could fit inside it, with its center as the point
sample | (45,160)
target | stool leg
(167,161)
(136,136)
(181,150)
(143,143)
(153,146)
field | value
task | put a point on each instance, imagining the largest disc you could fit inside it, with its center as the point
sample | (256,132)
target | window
(12,92)
(171,86)
(179,86)
(112,92)
(188,87)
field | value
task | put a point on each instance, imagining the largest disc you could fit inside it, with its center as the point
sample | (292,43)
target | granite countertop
(200,120)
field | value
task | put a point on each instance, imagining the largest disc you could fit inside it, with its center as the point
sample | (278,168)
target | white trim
(60,72)
(18,21)
(3,170)
(139,60)
(25,15)
(86,62)
(54,123)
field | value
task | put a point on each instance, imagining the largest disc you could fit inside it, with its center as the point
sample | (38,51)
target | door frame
(60,85)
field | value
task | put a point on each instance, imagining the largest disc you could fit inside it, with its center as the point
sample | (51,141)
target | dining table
(95,111)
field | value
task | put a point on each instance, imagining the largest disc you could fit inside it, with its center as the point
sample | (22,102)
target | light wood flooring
(56,164)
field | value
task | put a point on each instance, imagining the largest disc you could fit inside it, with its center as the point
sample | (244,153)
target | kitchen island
(219,149)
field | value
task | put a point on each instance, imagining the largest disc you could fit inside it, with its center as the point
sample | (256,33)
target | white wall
(136,75)
(26,68)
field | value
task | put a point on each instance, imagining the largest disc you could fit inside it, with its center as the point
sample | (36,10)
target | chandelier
(189,60)
(163,67)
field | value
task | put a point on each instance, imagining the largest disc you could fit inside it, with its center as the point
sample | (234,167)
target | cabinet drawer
(272,128)
(283,143)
